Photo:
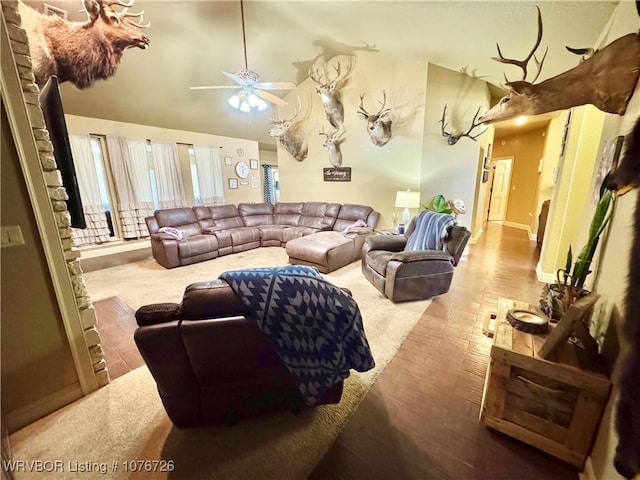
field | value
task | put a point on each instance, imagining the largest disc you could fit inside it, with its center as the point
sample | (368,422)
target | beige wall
(377,173)
(527,150)
(551,154)
(453,170)
(569,205)
(417,157)
(230,147)
(36,358)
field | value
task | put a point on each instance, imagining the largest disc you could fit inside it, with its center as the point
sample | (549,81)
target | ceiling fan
(252,92)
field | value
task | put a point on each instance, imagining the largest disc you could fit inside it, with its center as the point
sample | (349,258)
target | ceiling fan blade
(234,77)
(211,87)
(269,97)
(275,85)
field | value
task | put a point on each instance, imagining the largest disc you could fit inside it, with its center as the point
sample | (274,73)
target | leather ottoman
(327,251)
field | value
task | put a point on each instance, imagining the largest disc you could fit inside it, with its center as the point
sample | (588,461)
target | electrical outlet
(11,236)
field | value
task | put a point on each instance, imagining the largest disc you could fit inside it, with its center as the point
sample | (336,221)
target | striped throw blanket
(314,327)
(430,232)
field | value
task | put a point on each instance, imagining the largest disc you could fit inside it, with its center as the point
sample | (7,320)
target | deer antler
(361,107)
(473,126)
(523,63)
(452,139)
(124,14)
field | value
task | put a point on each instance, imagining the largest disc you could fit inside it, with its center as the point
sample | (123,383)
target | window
(194,176)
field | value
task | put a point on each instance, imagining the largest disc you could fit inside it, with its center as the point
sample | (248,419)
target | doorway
(500,186)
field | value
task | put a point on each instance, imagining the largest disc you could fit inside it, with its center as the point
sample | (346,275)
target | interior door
(500,189)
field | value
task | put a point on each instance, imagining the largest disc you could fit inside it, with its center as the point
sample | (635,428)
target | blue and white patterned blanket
(430,231)
(315,327)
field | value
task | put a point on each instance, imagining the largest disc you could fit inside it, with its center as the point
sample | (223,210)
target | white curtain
(166,164)
(209,168)
(130,166)
(97,230)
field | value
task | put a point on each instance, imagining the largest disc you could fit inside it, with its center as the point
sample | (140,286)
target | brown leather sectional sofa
(209,232)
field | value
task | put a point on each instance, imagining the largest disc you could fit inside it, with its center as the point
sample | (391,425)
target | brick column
(53,180)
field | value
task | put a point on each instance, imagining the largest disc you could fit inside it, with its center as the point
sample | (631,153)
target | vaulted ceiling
(192,41)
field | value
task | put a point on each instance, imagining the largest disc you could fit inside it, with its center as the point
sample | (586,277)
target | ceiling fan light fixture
(245,107)
(234,101)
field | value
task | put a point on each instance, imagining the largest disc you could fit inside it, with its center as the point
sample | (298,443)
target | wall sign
(337,174)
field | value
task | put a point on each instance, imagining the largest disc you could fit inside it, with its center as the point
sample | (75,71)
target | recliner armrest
(419,255)
(392,243)
(163,236)
(158,313)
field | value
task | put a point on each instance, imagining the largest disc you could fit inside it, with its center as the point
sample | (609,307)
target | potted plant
(558,297)
(438,204)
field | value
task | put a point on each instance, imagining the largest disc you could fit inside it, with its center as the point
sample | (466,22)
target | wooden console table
(552,404)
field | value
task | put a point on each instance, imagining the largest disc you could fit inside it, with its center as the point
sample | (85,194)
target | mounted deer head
(329,91)
(606,80)
(290,136)
(81,53)
(452,138)
(378,124)
(332,143)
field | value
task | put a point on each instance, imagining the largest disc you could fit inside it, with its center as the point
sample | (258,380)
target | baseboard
(521,226)
(587,473)
(30,413)
(474,238)
(544,277)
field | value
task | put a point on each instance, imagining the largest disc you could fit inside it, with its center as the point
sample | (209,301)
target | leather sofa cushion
(254,214)
(225,216)
(315,248)
(203,214)
(296,232)
(378,260)
(287,213)
(272,232)
(197,245)
(175,217)
(211,299)
(241,236)
(349,214)
(319,214)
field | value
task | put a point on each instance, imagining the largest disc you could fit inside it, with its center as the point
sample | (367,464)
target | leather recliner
(210,360)
(412,275)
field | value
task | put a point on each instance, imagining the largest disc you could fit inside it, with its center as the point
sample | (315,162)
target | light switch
(11,236)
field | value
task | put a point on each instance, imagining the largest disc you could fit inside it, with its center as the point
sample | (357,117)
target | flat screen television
(51,104)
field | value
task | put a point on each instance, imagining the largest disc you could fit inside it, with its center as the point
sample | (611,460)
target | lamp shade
(407,199)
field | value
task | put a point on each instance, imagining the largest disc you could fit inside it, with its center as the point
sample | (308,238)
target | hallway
(420,419)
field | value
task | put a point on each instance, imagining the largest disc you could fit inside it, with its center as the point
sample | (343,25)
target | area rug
(124,422)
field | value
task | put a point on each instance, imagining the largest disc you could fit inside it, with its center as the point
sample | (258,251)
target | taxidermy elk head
(332,143)
(81,52)
(379,123)
(606,80)
(290,136)
(329,91)
(452,138)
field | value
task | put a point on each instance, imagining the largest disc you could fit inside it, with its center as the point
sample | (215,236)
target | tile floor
(420,419)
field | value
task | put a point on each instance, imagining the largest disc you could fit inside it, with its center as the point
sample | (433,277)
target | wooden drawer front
(539,404)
